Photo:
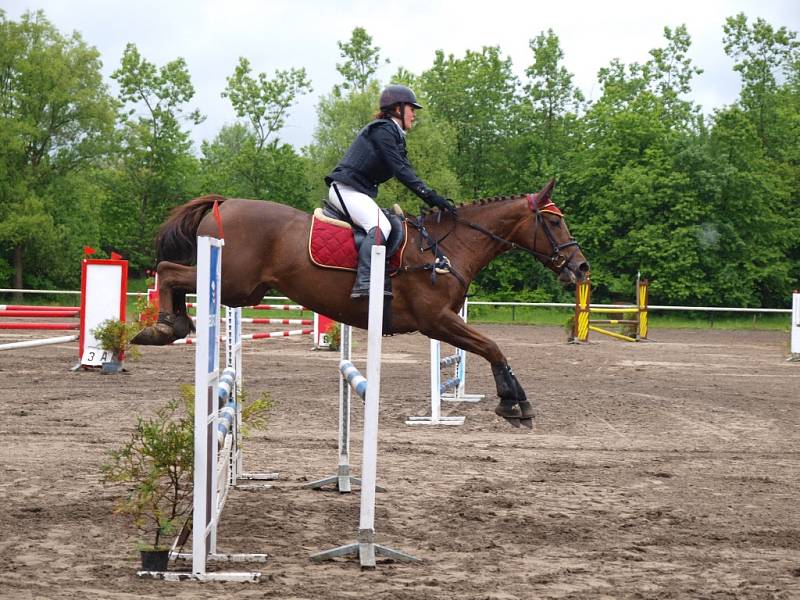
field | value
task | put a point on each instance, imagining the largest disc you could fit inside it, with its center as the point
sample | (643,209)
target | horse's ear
(544,194)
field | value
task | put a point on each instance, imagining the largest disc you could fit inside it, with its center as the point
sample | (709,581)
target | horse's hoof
(183,327)
(510,412)
(526,408)
(155,335)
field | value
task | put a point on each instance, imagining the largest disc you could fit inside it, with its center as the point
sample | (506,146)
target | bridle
(557,260)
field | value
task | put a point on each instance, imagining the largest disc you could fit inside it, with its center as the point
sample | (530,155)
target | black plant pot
(154,560)
(111,368)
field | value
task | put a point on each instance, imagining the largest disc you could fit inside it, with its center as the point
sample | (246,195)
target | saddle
(333,243)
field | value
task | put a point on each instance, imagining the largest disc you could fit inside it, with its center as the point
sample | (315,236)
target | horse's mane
(479,202)
(489,200)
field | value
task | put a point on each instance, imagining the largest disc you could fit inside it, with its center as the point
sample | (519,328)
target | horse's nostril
(583,267)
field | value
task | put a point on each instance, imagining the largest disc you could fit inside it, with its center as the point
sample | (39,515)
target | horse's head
(549,240)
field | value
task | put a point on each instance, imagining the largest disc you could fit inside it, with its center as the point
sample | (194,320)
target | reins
(556,259)
(441,263)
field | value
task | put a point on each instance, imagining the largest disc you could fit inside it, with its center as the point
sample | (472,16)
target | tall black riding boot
(361,286)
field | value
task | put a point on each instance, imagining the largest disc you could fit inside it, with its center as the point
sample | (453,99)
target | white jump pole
(233,359)
(459,394)
(436,417)
(439,388)
(343,479)
(795,326)
(43,342)
(365,546)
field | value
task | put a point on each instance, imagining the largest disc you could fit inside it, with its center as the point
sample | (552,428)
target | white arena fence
(792,312)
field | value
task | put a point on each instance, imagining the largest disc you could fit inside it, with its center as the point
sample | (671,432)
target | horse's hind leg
(514,405)
(174,281)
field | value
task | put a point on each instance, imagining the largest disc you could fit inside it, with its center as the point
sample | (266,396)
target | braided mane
(490,200)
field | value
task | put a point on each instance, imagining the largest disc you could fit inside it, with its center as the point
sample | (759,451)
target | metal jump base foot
(343,481)
(437,421)
(251,477)
(242,577)
(366,549)
(462,398)
(237,576)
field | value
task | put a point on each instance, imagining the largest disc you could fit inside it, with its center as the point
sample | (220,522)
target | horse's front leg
(173,323)
(514,405)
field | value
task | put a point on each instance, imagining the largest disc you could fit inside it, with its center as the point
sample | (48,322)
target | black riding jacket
(376,155)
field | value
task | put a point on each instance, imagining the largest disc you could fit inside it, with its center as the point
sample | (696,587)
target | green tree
(247,159)
(630,182)
(156,169)
(768,61)
(551,109)
(263,102)
(233,165)
(762,53)
(349,107)
(362,60)
(475,95)
(55,119)
(751,234)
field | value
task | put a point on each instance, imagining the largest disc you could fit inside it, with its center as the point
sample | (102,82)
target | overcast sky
(279,34)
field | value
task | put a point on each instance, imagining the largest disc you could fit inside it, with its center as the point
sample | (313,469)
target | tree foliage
(55,119)
(362,60)
(155,169)
(247,159)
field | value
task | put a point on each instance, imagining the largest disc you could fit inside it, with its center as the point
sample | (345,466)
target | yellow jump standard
(583,323)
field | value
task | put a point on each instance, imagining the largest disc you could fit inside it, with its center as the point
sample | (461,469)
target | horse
(266,248)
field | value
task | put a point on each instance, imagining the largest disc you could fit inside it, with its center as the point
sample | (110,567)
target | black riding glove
(441,203)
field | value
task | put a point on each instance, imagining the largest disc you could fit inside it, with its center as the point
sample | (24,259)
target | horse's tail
(177,238)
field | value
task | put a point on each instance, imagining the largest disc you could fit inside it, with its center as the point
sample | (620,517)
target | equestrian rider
(376,155)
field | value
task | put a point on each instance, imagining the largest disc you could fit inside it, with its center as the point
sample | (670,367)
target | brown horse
(266,247)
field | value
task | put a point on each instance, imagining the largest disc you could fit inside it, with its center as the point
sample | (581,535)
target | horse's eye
(555,221)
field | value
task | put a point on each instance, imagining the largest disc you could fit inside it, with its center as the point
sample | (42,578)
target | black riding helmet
(398,95)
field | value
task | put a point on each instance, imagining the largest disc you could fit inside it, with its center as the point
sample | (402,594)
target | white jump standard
(343,479)
(450,389)
(211,476)
(233,360)
(365,546)
(795,325)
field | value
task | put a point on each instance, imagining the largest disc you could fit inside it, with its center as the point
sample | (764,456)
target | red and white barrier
(254,336)
(104,290)
(321,331)
(104,286)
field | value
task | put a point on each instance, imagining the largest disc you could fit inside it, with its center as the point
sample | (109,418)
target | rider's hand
(442,203)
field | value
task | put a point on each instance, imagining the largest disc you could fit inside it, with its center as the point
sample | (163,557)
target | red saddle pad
(331,245)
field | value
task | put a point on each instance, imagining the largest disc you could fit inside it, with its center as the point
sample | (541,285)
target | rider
(376,155)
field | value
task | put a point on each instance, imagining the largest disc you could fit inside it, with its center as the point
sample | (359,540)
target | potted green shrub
(334,336)
(156,464)
(115,336)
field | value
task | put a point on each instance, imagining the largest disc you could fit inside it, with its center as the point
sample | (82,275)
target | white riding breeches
(362,209)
